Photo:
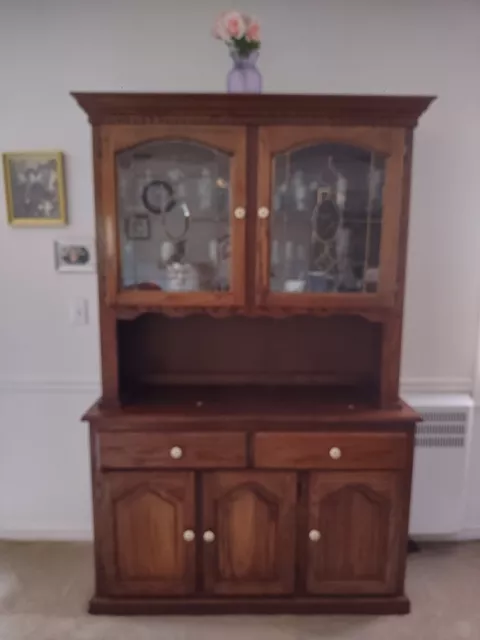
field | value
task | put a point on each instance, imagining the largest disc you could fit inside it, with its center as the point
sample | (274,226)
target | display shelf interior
(340,352)
(238,400)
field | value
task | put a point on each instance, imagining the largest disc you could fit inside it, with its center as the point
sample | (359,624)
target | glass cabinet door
(179,215)
(328,217)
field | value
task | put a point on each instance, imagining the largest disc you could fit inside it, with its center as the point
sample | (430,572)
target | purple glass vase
(244,77)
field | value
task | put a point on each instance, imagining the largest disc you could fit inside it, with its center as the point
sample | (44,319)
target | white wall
(49,369)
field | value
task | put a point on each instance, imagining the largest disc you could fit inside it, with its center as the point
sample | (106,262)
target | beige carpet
(44,588)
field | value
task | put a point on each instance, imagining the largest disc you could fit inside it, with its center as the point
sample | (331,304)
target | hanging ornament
(157,197)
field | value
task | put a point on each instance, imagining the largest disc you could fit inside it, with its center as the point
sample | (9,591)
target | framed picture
(137,227)
(75,255)
(35,188)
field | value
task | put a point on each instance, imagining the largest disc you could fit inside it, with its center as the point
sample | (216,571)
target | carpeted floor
(44,588)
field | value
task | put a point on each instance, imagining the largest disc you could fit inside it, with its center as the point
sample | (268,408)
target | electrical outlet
(78,312)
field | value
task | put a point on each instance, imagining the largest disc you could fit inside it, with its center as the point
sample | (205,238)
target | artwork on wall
(75,255)
(137,227)
(35,188)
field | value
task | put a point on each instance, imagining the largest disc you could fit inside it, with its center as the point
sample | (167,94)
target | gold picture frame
(35,188)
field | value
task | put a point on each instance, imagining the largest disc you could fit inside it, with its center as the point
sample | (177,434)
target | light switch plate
(78,312)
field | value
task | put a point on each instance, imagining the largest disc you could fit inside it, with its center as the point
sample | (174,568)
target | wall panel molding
(60,384)
(49,385)
(436,385)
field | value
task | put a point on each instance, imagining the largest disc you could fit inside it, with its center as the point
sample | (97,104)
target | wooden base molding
(151,606)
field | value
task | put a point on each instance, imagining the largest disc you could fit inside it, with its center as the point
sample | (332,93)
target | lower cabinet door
(148,546)
(355,532)
(249,532)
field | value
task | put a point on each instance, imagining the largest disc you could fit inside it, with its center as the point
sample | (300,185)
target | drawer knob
(208,536)
(263,213)
(239,213)
(335,453)
(188,535)
(314,535)
(176,453)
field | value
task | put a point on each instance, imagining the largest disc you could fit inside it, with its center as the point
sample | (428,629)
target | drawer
(339,450)
(147,450)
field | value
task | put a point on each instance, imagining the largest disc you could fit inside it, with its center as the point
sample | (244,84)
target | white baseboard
(47,535)
(465,535)
(469,534)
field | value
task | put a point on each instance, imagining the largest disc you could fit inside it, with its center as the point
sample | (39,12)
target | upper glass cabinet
(174,209)
(326,220)
(323,232)
(325,215)
(178,215)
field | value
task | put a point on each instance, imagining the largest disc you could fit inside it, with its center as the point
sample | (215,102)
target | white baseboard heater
(440,463)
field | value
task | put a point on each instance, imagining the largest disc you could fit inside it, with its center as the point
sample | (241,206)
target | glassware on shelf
(184,188)
(182,277)
(300,190)
(205,190)
(327,197)
(177,179)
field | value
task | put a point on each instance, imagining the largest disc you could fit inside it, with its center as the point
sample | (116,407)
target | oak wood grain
(389,369)
(247,378)
(107,318)
(226,138)
(252,515)
(144,450)
(358,515)
(356,605)
(161,350)
(218,108)
(143,517)
(313,450)
(278,407)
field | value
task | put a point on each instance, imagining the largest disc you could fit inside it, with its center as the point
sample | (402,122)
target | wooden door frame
(387,140)
(230,139)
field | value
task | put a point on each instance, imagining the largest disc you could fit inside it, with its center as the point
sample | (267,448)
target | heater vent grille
(440,429)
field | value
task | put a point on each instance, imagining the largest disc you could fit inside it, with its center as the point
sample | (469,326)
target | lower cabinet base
(201,606)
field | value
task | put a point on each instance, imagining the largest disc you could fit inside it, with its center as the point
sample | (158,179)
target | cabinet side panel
(404,519)
(101,544)
(392,328)
(107,319)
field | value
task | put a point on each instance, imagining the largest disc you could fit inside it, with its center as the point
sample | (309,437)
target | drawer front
(330,450)
(142,450)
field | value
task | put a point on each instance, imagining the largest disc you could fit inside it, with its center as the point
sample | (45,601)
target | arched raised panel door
(173,205)
(329,216)
(145,516)
(252,518)
(354,520)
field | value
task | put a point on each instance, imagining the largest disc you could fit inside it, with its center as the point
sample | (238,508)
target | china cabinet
(250,452)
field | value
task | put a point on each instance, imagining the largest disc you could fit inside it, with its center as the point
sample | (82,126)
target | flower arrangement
(239,31)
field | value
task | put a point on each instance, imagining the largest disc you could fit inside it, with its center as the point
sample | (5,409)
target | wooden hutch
(250,452)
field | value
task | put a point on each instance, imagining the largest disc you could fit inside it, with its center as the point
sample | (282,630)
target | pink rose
(253,31)
(219,31)
(234,24)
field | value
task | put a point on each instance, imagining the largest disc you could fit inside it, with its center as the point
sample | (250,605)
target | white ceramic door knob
(188,535)
(335,453)
(239,213)
(263,213)
(314,535)
(209,536)
(176,453)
